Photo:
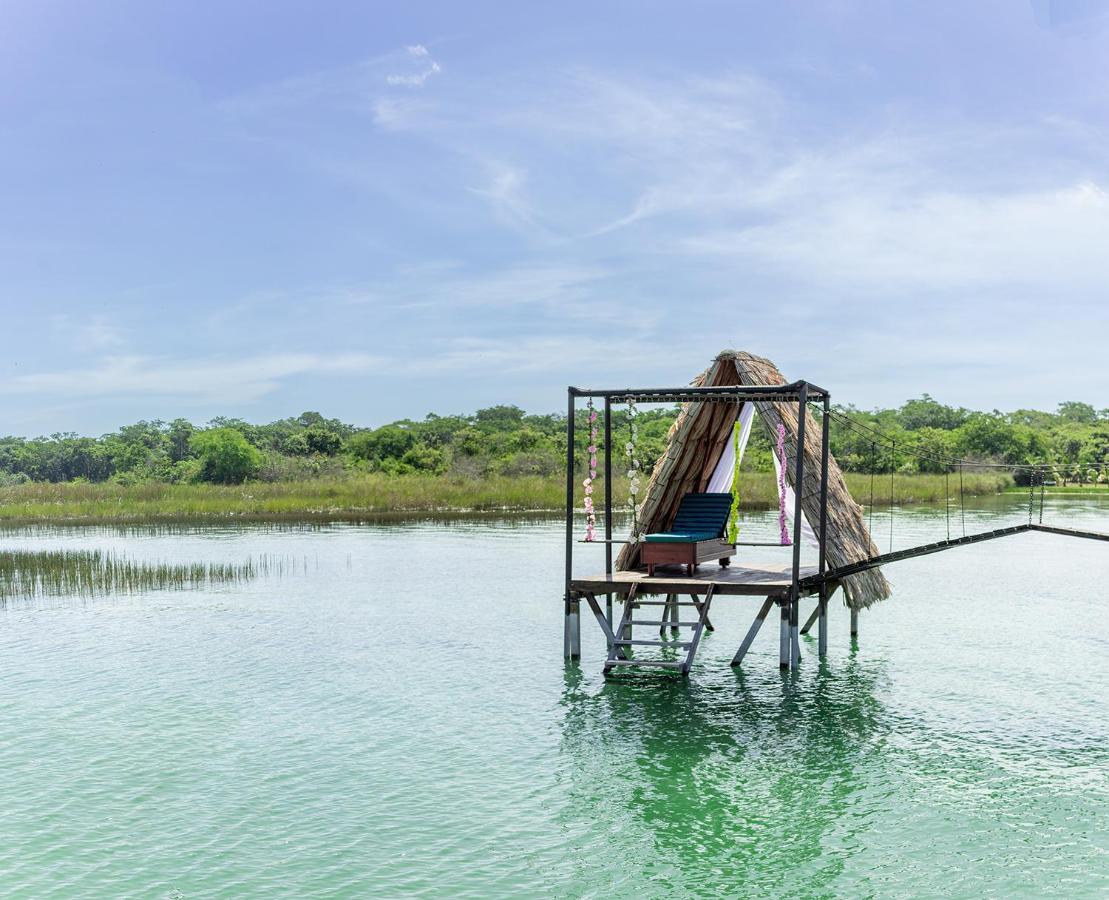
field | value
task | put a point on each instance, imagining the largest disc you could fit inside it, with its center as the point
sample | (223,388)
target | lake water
(393,717)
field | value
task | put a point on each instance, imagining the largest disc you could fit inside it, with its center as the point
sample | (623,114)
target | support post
(669,614)
(822,602)
(798,513)
(572,629)
(571,634)
(629,612)
(608,502)
(749,639)
(854,623)
(795,635)
(783,634)
(708,622)
(810,621)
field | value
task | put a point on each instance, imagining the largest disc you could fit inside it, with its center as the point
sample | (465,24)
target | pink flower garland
(782,485)
(590,513)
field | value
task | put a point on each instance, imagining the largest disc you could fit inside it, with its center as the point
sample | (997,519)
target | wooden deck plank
(755,580)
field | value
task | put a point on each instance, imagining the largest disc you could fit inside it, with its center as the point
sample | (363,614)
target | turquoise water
(393,717)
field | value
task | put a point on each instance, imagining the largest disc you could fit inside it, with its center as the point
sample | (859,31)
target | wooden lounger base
(689,554)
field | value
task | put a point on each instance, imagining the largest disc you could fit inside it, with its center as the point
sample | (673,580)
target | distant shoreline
(377,496)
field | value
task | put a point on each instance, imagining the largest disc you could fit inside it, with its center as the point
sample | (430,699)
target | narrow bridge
(812,582)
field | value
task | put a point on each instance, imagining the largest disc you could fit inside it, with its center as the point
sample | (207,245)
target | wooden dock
(711,420)
(754,580)
(773,582)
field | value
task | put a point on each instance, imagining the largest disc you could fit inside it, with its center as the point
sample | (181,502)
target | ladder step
(627,643)
(671,624)
(660,663)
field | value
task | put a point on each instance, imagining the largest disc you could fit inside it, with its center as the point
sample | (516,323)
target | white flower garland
(633,469)
(590,512)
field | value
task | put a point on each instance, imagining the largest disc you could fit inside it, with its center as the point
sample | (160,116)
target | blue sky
(379,210)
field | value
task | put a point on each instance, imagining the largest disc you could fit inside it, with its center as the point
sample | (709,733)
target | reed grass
(374,495)
(26,574)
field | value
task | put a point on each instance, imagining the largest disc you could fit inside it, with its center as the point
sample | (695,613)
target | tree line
(922,435)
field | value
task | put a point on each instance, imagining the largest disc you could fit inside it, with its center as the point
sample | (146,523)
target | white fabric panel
(722,475)
(806,529)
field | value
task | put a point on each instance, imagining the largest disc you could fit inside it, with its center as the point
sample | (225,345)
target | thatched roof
(696,441)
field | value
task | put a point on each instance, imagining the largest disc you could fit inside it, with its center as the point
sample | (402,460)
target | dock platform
(752,580)
(773,582)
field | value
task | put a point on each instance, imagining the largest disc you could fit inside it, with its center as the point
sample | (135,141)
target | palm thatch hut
(699,437)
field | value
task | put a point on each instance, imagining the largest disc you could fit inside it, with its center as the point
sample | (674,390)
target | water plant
(26,574)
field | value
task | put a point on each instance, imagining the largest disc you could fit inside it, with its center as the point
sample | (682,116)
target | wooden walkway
(812,581)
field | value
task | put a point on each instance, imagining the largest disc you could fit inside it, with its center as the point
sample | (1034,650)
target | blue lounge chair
(696,536)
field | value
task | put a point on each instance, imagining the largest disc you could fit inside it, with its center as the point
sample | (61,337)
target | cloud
(504,191)
(101,335)
(219,379)
(488,357)
(632,194)
(563,294)
(1051,241)
(418,57)
(96,333)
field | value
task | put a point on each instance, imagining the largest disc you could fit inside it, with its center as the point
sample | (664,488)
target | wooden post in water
(571,641)
(854,624)
(783,638)
(571,637)
(752,631)
(822,600)
(798,515)
(608,502)
(629,613)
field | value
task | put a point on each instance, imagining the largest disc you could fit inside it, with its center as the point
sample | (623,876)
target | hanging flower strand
(782,485)
(633,469)
(590,512)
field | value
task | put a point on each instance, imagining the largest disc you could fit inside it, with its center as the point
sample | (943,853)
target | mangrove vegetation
(500,458)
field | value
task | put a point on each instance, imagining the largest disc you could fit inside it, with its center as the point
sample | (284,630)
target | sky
(380,210)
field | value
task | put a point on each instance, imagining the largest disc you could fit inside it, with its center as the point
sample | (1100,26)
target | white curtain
(722,475)
(721,480)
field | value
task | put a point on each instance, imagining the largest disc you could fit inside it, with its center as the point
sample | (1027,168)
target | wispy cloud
(420,59)
(1048,241)
(96,333)
(505,192)
(230,380)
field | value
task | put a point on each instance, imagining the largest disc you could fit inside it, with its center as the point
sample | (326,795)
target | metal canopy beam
(718,392)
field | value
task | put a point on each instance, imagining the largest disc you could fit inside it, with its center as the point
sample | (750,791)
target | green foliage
(923,437)
(226,457)
(1082,413)
(378,445)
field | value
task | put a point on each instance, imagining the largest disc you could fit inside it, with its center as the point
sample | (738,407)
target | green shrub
(226,457)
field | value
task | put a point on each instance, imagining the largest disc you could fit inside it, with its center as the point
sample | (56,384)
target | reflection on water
(393,717)
(710,768)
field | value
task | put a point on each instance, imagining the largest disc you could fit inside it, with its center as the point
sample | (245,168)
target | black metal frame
(800,391)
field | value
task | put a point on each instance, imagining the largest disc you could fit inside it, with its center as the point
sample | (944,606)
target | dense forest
(920,436)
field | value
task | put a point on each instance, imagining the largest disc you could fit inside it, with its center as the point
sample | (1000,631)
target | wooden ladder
(622,637)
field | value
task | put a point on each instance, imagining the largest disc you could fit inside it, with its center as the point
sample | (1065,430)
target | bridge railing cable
(1035,473)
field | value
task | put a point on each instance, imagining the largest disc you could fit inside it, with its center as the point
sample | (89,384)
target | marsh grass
(27,574)
(373,496)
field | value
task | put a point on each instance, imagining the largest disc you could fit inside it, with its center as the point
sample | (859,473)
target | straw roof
(696,441)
